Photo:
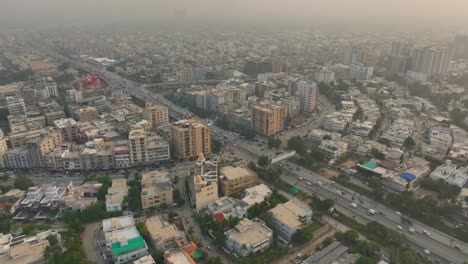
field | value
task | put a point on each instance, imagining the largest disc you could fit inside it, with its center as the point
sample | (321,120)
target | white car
(398,213)
(426,233)
(411,230)
(399,228)
(427,252)
(309,183)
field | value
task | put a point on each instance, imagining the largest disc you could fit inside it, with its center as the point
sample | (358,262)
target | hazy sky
(412,12)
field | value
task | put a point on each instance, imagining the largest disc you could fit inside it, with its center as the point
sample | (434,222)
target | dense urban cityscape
(224,145)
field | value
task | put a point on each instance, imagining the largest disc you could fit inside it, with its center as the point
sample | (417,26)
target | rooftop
(232,173)
(130,245)
(249,232)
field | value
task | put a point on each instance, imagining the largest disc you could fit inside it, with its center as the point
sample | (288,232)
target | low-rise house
(333,253)
(287,218)
(333,149)
(165,236)
(24,250)
(116,194)
(249,237)
(81,196)
(451,173)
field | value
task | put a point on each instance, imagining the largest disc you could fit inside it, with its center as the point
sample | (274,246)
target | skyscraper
(430,61)
(355,55)
(307,92)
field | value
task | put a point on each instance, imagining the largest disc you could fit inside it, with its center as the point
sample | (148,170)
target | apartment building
(165,236)
(156,114)
(189,138)
(249,237)
(203,184)
(268,118)
(235,179)
(68,128)
(289,217)
(307,93)
(147,147)
(16,105)
(156,189)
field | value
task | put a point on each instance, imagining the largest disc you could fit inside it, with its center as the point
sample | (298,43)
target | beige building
(165,236)
(204,183)
(235,179)
(189,138)
(68,128)
(287,218)
(146,147)
(24,250)
(116,195)
(268,118)
(156,189)
(156,114)
(249,237)
(3,148)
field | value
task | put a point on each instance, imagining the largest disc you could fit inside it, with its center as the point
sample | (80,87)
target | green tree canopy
(22,182)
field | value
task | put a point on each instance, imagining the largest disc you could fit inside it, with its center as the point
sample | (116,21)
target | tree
(214,260)
(224,123)
(247,133)
(297,143)
(365,260)
(22,182)
(143,229)
(274,174)
(409,142)
(216,146)
(274,142)
(5,177)
(377,154)
(384,141)
(134,199)
(327,137)
(358,115)
(301,236)
(263,161)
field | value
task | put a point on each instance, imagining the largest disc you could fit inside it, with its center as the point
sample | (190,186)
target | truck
(371,212)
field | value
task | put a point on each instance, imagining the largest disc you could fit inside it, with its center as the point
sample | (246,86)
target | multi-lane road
(441,245)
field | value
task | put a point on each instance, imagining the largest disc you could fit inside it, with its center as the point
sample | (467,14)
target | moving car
(399,228)
(426,232)
(411,230)
(353,205)
(371,212)
(427,252)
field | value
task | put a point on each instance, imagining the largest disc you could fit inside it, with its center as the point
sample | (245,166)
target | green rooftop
(294,191)
(132,244)
(370,165)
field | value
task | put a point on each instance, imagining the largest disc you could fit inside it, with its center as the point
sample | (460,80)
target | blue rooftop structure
(408,176)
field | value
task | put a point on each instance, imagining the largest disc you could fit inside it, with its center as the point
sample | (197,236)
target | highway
(440,244)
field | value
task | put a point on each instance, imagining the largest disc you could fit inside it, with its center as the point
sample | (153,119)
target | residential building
(182,255)
(15,105)
(287,218)
(337,121)
(399,131)
(145,260)
(430,61)
(360,72)
(324,75)
(333,253)
(24,250)
(147,147)
(256,194)
(123,241)
(361,129)
(116,194)
(307,93)
(79,197)
(18,158)
(355,55)
(249,237)
(451,173)
(268,118)
(333,149)
(189,138)
(68,128)
(227,207)
(156,114)
(165,236)
(235,179)
(203,184)
(156,189)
